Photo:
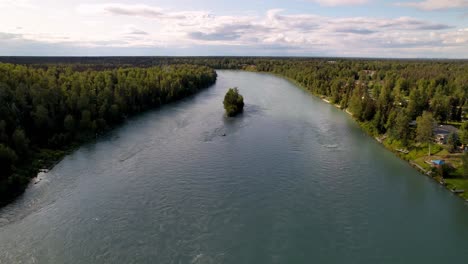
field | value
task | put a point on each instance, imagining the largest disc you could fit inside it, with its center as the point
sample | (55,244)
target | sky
(342,28)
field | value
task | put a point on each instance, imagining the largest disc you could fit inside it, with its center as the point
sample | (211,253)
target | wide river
(291,180)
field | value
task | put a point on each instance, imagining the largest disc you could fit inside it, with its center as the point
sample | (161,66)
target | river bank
(267,192)
(42,159)
(415,157)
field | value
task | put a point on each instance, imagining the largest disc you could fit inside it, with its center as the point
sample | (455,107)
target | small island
(233,102)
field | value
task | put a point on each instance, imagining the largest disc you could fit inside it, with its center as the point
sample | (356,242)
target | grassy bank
(414,153)
(418,156)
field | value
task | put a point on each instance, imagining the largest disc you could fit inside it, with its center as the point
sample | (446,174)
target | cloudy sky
(350,28)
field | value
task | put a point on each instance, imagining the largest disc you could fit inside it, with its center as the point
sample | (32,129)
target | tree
(464,133)
(41,117)
(7,159)
(20,142)
(85,122)
(453,141)
(424,129)
(400,128)
(3,132)
(356,104)
(69,123)
(465,165)
(233,102)
(443,170)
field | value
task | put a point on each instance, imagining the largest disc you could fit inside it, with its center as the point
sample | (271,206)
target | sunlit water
(294,180)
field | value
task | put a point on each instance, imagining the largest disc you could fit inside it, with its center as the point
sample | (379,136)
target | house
(369,72)
(442,132)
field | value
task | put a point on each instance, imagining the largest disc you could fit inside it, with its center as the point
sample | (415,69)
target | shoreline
(410,162)
(49,158)
(44,160)
(413,164)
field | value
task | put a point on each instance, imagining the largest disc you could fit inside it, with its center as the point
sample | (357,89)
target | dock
(405,151)
(414,164)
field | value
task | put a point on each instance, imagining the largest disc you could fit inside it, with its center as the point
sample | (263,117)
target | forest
(48,109)
(398,101)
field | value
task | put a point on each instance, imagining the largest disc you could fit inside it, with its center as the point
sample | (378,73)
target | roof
(438,162)
(444,129)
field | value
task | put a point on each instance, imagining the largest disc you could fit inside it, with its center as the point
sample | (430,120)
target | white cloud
(17,3)
(137,10)
(138,27)
(133,30)
(340,2)
(436,4)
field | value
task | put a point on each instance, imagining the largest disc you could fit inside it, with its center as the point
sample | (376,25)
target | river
(291,180)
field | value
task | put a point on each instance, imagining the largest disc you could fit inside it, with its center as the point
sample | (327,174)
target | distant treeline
(217,62)
(54,107)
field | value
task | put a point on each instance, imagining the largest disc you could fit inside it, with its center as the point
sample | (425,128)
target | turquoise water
(294,180)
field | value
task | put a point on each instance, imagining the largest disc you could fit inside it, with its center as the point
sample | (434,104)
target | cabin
(442,132)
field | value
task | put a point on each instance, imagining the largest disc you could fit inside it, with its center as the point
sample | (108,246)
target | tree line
(66,95)
(53,107)
(401,99)
(387,95)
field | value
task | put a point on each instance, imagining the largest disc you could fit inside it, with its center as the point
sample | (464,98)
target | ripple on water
(293,181)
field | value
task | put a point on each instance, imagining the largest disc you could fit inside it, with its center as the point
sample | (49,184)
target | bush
(443,171)
(7,159)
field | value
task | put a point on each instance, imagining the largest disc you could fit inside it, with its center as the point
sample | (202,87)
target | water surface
(294,180)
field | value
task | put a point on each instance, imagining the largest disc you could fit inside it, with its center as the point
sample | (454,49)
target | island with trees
(233,102)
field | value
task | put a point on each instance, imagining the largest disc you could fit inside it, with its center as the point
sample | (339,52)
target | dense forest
(398,101)
(50,108)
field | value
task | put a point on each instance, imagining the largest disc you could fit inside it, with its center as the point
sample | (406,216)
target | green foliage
(20,142)
(399,127)
(53,106)
(465,165)
(386,95)
(69,124)
(425,126)
(233,102)
(443,171)
(453,141)
(464,133)
(7,160)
